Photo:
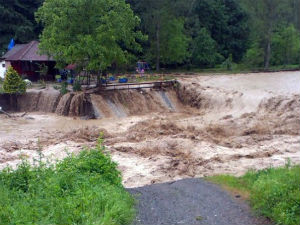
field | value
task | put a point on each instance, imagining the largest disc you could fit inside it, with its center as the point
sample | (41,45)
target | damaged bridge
(125,86)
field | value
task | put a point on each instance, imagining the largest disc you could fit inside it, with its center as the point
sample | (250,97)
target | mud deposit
(207,125)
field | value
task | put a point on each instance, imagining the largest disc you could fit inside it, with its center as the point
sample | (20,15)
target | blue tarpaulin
(11,44)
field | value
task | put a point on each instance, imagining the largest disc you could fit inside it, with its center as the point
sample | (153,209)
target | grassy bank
(273,192)
(83,189)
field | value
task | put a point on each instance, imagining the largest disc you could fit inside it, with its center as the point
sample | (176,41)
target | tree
(267,17)
(286,46)
(13,83)
(205,53)
(174,42)
(94,34)
(17,21)
(254,56)
(227,23)
(168,42)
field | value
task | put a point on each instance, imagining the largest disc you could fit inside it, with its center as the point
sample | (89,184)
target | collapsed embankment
(49,101)
(118,103)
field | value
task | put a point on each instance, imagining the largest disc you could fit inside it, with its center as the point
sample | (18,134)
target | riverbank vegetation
(273,192)
(83,189)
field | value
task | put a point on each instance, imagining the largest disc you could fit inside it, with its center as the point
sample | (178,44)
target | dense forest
(17,21)
(191,33)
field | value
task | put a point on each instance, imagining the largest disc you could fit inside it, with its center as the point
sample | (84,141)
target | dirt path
(190,202)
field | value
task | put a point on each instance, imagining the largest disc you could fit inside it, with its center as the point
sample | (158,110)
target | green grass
(83,189)
(273,192)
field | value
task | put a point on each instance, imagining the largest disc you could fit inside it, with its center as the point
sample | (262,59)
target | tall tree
(168,42)
(267,16)
(94,34)
(286,46)
(174,49)
(228,24)
(204,50)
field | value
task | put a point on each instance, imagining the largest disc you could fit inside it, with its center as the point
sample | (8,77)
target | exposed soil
(207,125)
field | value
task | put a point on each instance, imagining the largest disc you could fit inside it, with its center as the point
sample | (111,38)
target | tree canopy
(268,20)
(193,33)
(17,21)
(205,51)
(93,34)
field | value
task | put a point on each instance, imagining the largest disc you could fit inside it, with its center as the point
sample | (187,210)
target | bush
(274,192)
(64,88)
(43,71)
(77,86)
(13,83)
(84,189)
(254,57)
(228,63)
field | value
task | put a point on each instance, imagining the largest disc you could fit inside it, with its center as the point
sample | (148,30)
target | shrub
(228,63)
(254,57)
(13,83)
(276,194)
(43,71)
(64,88)
(84,189)
(77,86)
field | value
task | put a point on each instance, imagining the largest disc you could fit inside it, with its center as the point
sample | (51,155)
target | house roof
(13,51)
(26,52)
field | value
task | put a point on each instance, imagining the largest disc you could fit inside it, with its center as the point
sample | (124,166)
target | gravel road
(189,202)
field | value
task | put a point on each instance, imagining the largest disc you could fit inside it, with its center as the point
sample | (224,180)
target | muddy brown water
(208,125)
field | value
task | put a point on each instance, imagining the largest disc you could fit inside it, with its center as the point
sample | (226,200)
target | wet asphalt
(190,202)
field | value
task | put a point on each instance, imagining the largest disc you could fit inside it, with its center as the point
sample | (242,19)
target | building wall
(7,64)
(2,69)
(30,69)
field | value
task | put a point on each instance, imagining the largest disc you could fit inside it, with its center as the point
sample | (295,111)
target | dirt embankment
(49,101)
(93,105)
(135,102)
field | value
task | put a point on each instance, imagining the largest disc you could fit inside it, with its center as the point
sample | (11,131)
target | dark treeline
(192,33)
(17,21)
